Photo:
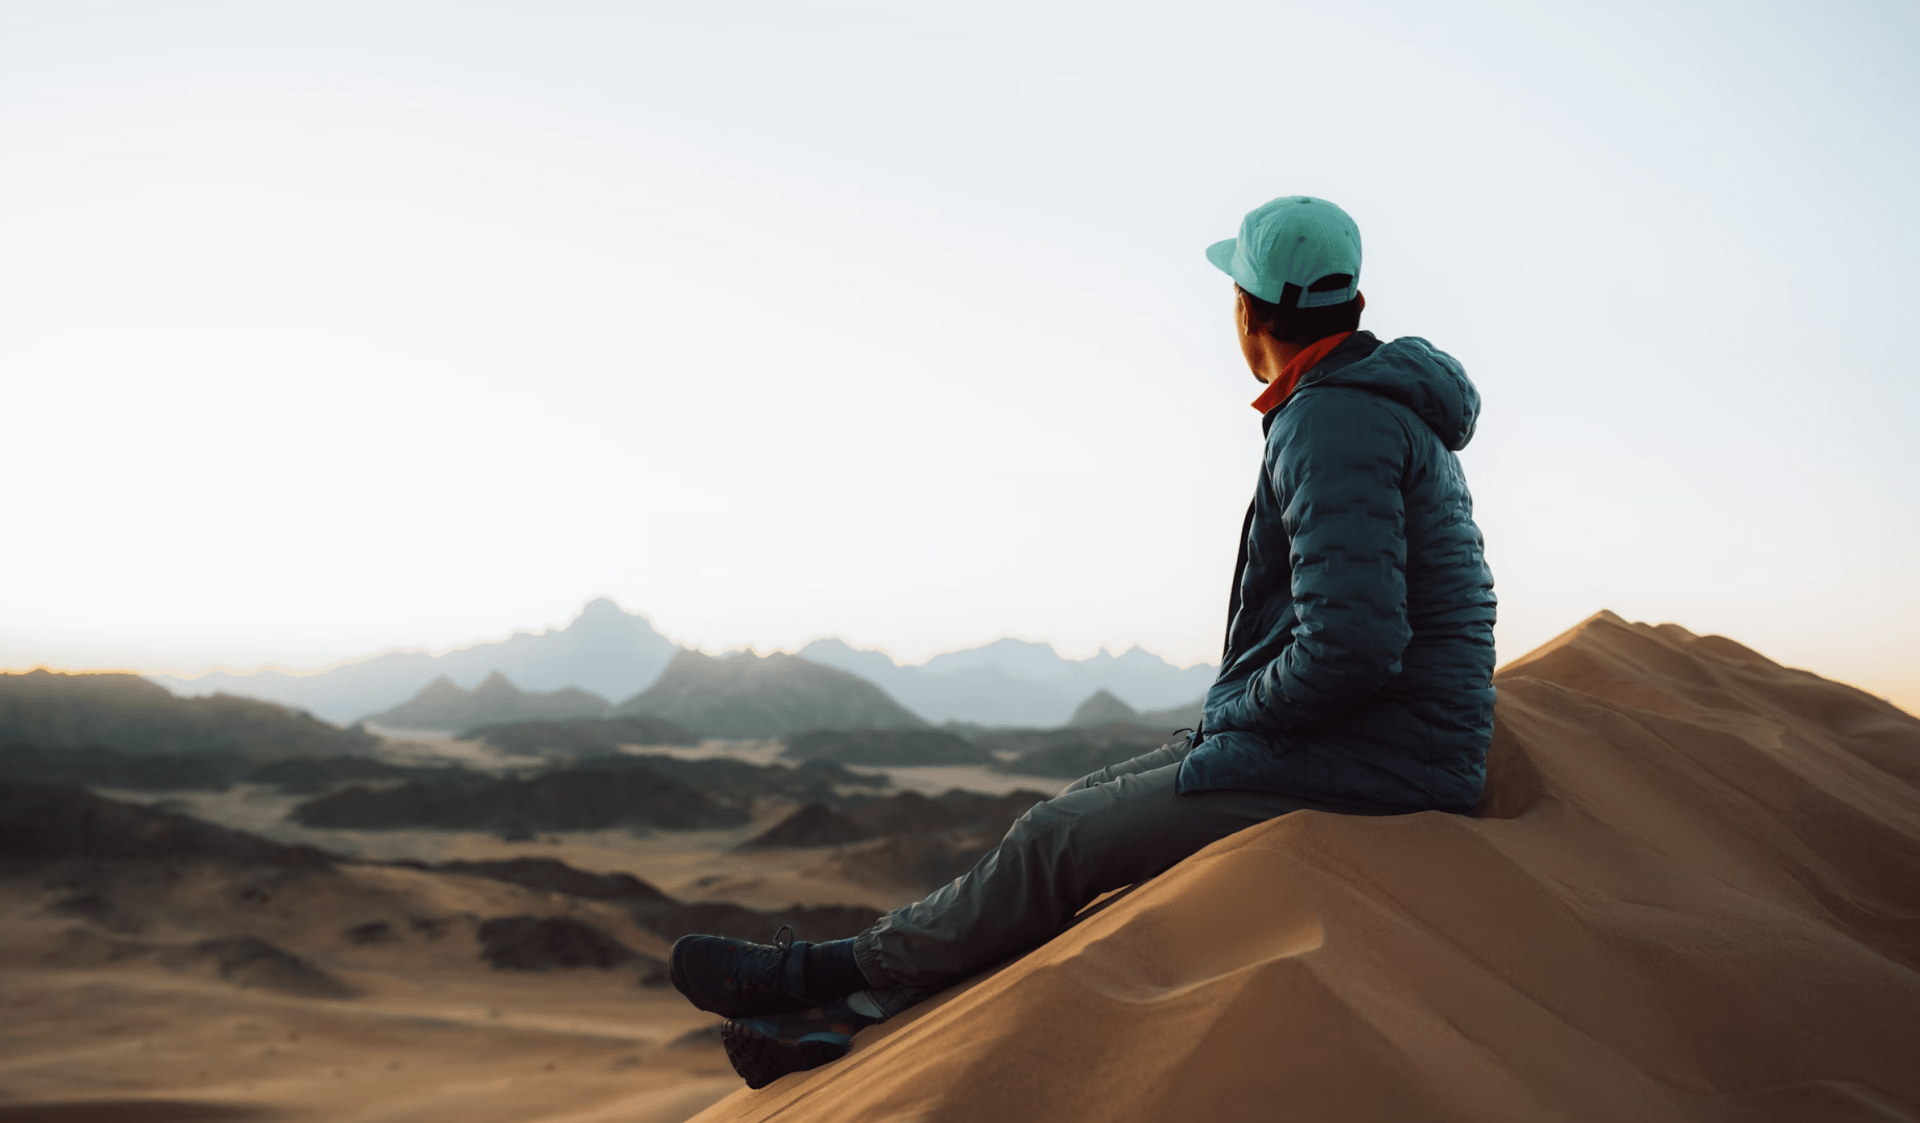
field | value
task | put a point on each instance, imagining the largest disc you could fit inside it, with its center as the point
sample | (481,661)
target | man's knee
(1147,826)
(1129,827)
(1043,818)
(1109,821)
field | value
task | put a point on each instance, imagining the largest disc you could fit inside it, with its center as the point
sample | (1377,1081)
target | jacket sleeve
(1336,469)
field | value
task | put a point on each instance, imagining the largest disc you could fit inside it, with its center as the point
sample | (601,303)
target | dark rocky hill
(556,876)
(48,822)
(311,775)
(650,908)
(814,824)
(105,768)
(923,862)
(913,813)
(903,813)
(739,783)
(1071,753)
(580,737)
(906,840)
(885,746)
(1174,717)
(541,943)
(249,961)
(563,800)
(441,705)
(212,772)
(744,695)
(617,791)
(126,713)
(1102,708)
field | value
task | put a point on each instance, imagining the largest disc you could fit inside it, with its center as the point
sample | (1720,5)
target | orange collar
(1277,390)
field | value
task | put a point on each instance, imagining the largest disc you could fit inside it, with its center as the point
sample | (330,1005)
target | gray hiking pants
(1117,827)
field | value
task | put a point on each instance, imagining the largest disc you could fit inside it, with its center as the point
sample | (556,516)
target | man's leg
(1115,828)
(1120,825)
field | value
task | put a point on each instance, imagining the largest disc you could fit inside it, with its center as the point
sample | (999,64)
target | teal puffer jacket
(1358,671)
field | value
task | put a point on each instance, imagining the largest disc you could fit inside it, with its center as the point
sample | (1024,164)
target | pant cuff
(866,953)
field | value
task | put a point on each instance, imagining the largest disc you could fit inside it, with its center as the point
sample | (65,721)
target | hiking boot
(765,1048)
(739,978)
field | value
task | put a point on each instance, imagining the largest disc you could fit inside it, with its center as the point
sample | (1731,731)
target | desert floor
(107,1014)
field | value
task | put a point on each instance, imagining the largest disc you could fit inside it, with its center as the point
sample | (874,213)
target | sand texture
(1693,893)
(247,991)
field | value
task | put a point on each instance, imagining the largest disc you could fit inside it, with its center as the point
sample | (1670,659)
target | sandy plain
(106,1014)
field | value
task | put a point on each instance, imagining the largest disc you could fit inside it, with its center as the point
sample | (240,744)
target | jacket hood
(1410,371)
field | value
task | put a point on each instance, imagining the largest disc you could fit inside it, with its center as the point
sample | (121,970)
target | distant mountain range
(614,654)
(441,704)
(1015,682)
(744,695)
(604,650)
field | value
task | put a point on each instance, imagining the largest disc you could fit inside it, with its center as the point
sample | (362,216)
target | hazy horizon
(402,647)
(1911,704)
(331,329)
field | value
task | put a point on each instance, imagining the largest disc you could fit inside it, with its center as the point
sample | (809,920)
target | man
(1357,676)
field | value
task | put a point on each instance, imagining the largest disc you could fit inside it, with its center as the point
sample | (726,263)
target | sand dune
(1694,893)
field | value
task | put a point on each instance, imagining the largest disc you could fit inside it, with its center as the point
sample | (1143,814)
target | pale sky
(333,327)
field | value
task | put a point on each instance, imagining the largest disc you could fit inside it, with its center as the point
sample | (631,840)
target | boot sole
(761,1059)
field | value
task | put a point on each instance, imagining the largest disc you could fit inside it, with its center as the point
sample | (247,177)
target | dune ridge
(1692,893)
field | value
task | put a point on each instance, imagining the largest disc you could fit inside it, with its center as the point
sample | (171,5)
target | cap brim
(1221,254)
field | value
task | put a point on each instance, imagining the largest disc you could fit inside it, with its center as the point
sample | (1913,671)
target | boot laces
(768,979)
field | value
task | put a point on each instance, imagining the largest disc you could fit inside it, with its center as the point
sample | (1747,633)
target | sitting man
(1357,676)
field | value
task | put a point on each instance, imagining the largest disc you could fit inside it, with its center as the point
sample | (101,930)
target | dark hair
(1290,323)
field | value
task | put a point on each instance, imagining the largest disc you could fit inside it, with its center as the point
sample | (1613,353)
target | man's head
(1296,269)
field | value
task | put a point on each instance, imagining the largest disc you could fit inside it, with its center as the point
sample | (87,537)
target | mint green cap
(1294,240)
